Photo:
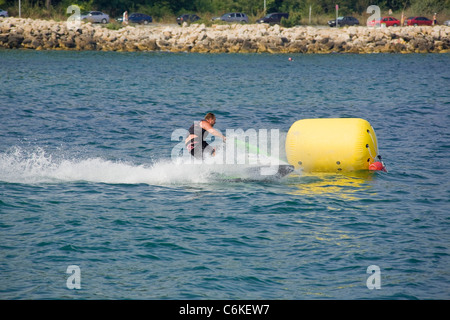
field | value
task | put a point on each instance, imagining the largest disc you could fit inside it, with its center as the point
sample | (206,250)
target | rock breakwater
(233,38)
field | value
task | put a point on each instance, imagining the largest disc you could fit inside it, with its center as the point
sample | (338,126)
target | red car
(418,21)
(389,21)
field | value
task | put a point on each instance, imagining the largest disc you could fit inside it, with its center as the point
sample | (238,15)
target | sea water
(94,204)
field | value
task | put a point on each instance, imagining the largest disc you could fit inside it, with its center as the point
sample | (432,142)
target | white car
(96,17)
(447,23)
(233,17)
(3,13)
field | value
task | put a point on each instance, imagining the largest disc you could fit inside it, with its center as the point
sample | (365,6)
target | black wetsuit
(197,146)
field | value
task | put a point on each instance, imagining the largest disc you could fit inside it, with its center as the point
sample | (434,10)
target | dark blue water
(87,178)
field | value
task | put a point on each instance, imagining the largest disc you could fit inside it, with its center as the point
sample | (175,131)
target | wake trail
(18,165)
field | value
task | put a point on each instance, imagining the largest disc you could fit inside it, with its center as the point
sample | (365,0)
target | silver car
(233,17)
(447,23)
(3,13)
(96,17)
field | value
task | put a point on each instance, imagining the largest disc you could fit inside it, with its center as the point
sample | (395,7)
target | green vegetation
(167,10)
(293,20)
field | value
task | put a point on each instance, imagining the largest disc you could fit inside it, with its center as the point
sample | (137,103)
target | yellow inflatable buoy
(331,145)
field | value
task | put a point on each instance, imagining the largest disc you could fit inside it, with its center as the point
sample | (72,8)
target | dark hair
(210,115)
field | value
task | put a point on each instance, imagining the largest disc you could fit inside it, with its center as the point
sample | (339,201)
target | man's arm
(205,125)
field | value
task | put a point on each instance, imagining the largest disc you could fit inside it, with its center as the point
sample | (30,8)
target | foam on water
(21,166)
(18,165)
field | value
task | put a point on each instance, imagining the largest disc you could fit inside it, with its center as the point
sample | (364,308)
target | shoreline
(16,33)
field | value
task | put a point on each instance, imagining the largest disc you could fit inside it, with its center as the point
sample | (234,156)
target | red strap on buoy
(377,166)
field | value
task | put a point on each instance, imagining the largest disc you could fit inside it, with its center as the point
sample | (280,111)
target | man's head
(211,118)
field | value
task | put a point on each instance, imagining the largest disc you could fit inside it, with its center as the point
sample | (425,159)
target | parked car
(447,23)
(273,18)
(3,13)
(96,17)
(187,18)
(233,17)
(388,21)
(418,21)
(344,21)
(139,18)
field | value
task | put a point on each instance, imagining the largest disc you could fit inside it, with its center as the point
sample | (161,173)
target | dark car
(273,18)
(344,21)
(187,18)
(139,18)
(418,21)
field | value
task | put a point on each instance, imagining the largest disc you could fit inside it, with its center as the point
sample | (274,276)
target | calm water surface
(87,178)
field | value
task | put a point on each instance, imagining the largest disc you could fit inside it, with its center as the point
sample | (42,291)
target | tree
(429,6)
